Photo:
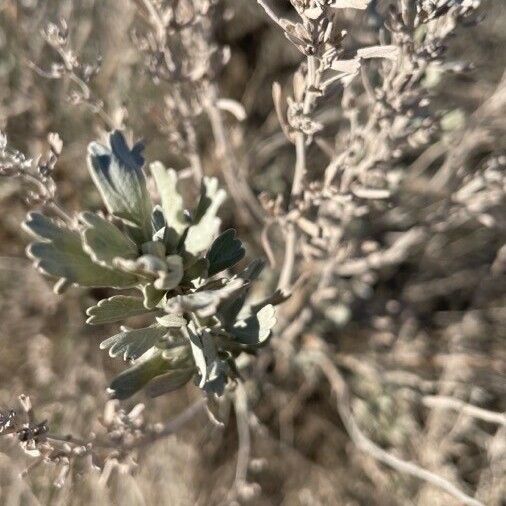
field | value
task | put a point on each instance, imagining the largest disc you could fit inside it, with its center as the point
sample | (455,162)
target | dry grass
(397,313)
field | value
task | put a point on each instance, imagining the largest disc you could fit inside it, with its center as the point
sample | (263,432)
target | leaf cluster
(174,264)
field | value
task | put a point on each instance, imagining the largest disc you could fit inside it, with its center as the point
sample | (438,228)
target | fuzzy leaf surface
(115,308)
(211,368)
(61,255)
(103,241)
(131,344)
(206,223)
(225,252)
(117,172)
(133,379)
(229,308)
(172,276)
(172,201)
(171,321)
(204,302)
(255,329)
(170,381)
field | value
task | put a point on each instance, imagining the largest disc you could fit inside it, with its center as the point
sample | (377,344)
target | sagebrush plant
(376,189)
(175,259)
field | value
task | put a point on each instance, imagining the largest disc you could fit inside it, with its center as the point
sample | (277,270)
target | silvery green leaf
(194,301)
(115,308)
(103,241)
(61,286)
(159,236)
(231,307)
(253,270)
(213,284)
(172,201)
(117,172)
(152,296)
(131,344)
(228,289)
(177,351)
(205,222)
(256,329)
(197,347)
(155,248)
(313,12)
(208,192)
(211,368)
(216,377)
(203,302)
(61,255)
(165,273)
(225,252)
(172,276)
(169,381)
(42,227)
(133,231)
(278,297)
(157,218)
(146,265)
(171,321)
(196,270)
(130,381)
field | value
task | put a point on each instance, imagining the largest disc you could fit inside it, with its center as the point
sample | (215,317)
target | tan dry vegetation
(398,317)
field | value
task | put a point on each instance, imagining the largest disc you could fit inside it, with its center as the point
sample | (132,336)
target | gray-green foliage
(177,262)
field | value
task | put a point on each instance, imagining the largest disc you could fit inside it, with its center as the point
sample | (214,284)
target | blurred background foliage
(300,453)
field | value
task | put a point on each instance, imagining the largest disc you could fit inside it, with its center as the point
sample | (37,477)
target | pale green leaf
(169,382)
(172,201)
(117,172)
(130,381)
(256,329)
(115,308)
(152,296)
(172,276)
(206,224)
(204,302)
(131,344)
(156,248)
(148,266)
(197,269)
(211,368)
(103,241)
(61,255)
(231,307)
(171,321)
(225,252)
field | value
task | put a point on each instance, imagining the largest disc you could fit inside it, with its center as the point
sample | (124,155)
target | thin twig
(363,443)
(264,239)
(165,430)
(243,453)
(173,425)
(289,260)
(241,193)
(367,84)
(312,79)
(443,401)
(268,10)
